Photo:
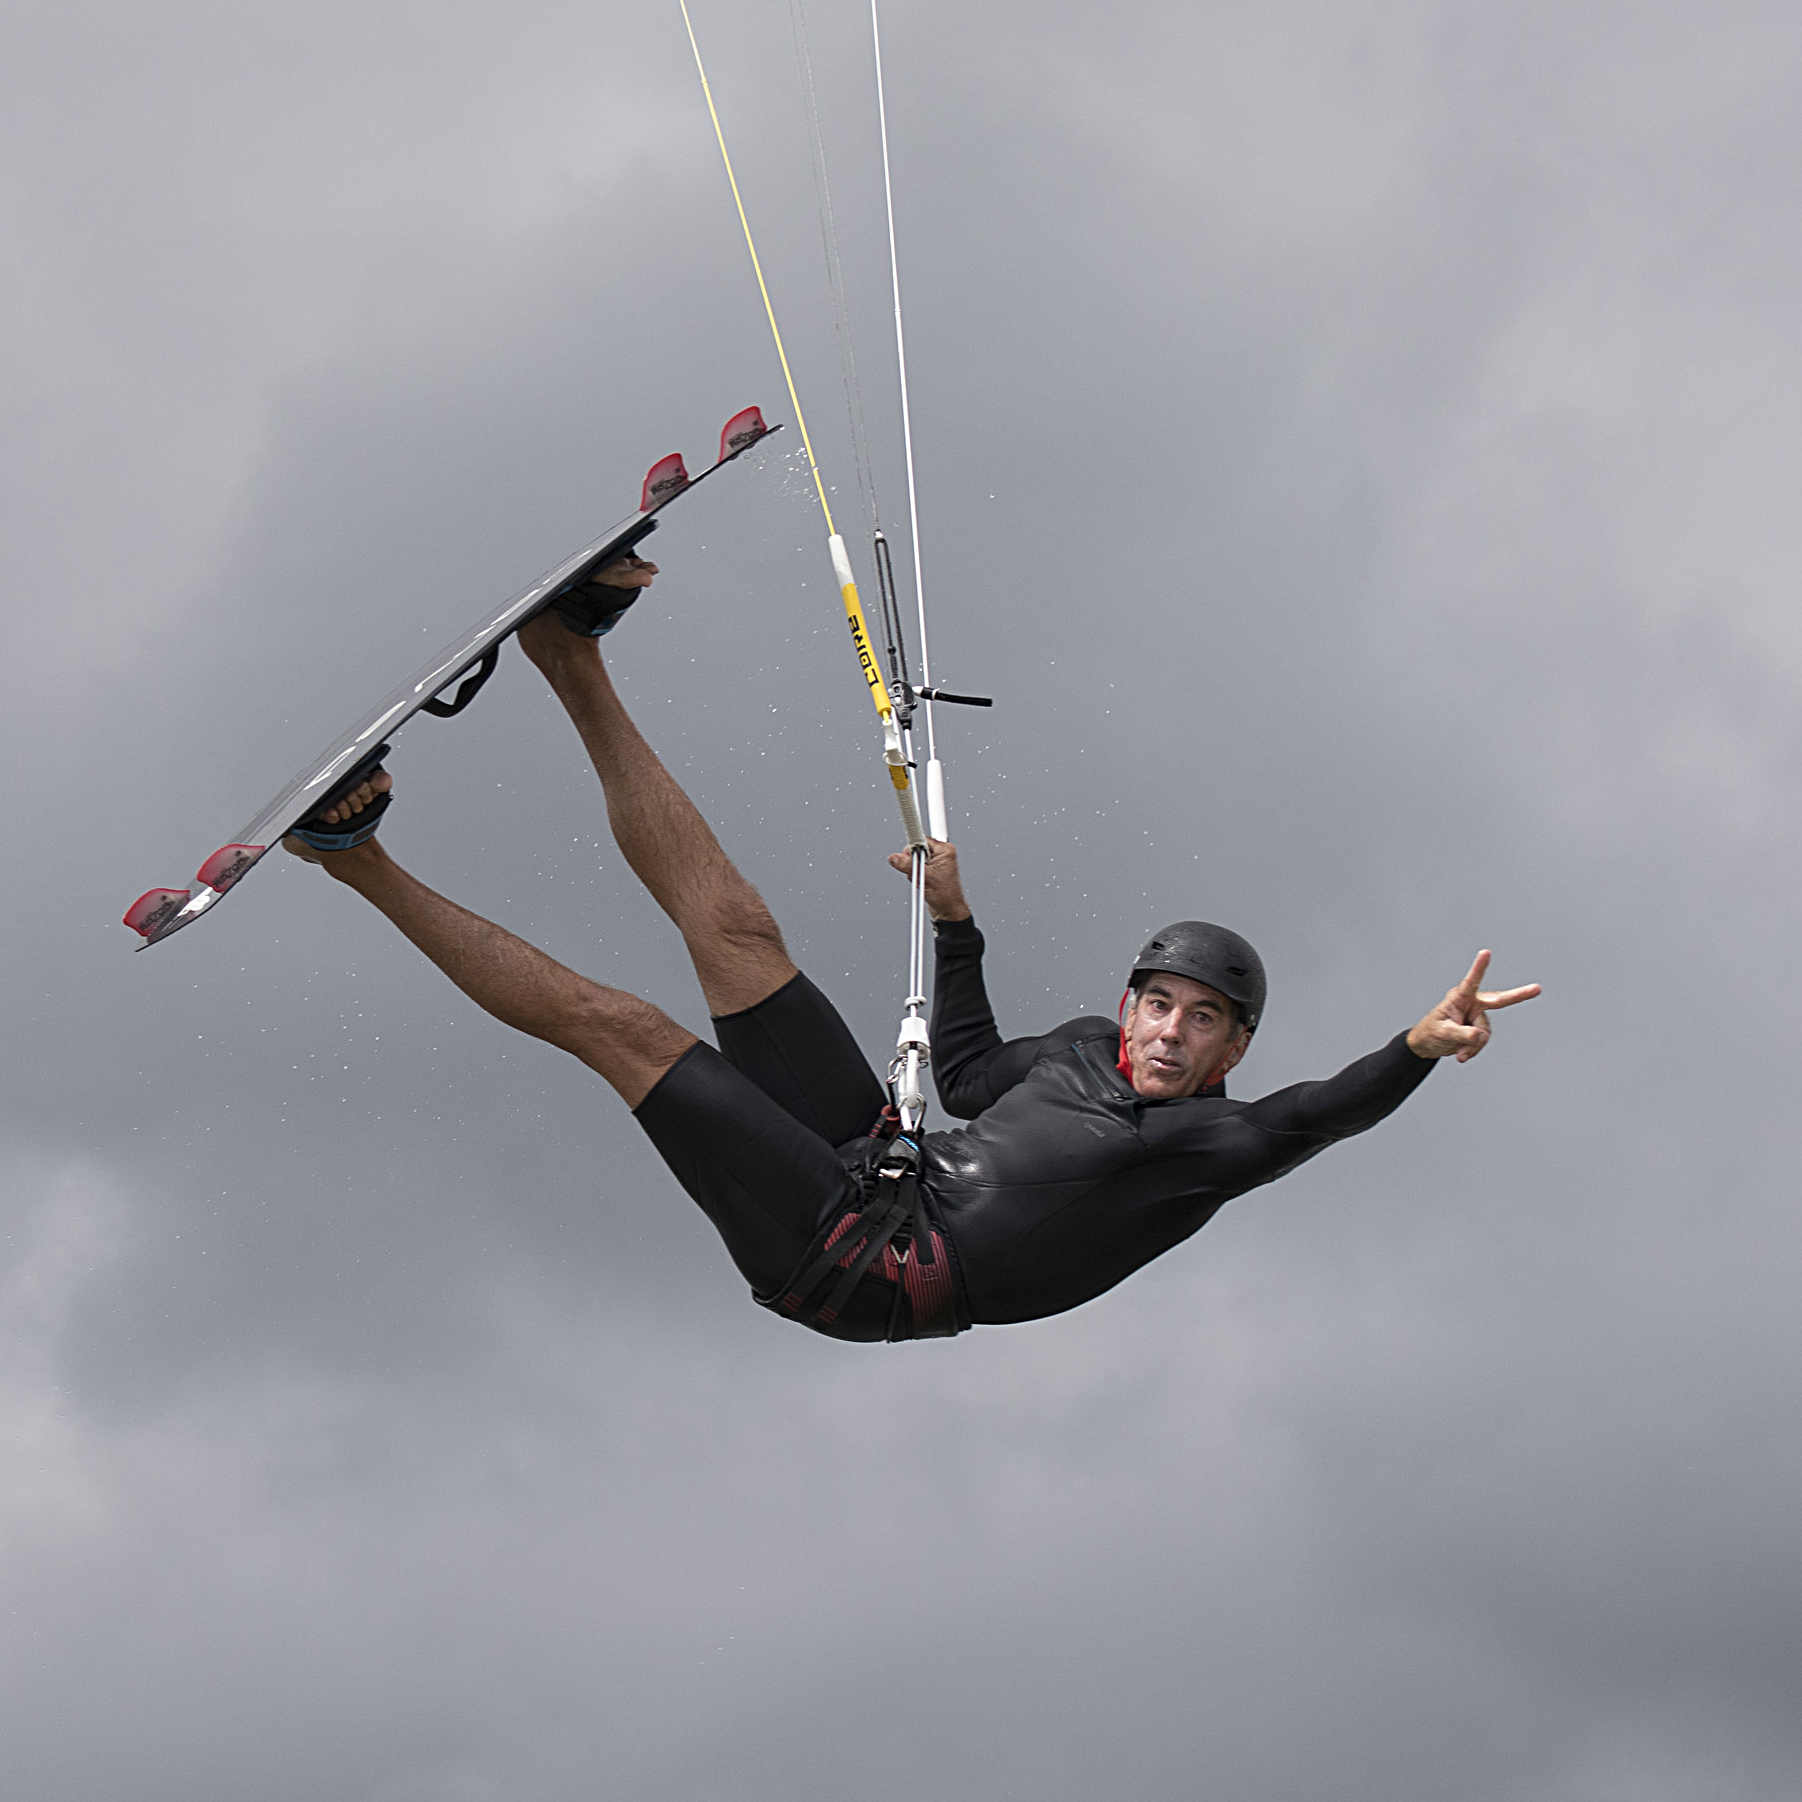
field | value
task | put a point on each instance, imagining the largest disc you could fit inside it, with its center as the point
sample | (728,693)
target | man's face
(1181,1036)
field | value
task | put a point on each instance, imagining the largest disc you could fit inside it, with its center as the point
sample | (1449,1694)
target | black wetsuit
(1066,1183)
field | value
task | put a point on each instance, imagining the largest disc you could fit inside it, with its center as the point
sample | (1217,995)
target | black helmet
(1210,954)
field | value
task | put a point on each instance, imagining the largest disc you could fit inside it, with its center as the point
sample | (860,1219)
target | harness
(890,1237)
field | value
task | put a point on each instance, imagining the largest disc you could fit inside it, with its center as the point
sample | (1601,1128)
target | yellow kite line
(841,562)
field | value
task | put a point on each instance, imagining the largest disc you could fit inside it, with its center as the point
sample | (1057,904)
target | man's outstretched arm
(1314,1114)
(971,1067)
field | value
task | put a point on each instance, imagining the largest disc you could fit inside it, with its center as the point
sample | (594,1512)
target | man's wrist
(356,865)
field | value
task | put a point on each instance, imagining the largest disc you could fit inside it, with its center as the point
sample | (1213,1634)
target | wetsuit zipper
(1102,1088)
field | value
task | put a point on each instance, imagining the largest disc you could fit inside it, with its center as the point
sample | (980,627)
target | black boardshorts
(769,1134)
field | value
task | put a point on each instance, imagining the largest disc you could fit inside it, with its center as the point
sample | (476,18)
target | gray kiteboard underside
(161,912)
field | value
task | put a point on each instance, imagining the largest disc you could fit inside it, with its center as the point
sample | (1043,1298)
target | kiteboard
(467,663)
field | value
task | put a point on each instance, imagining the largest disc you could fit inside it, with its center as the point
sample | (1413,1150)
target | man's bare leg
(625,1039)
(733,941)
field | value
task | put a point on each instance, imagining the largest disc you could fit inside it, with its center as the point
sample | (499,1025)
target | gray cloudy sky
(1358,448)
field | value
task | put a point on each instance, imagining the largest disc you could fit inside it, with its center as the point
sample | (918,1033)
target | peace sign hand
(1459,1025)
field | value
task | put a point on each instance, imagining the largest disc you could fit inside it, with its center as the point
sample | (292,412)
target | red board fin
(227,864)
(742,430)
(666,476)
(155,908)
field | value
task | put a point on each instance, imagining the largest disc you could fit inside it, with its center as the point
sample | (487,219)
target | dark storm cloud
(1355,451)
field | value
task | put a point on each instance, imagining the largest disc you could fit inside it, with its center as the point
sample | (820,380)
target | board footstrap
(322,835)
(593,609)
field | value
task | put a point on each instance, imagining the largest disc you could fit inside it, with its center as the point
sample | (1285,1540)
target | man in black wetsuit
(1093,1148)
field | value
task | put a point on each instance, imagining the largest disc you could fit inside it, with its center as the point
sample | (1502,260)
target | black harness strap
(880,1219)
(881,1235)
(910,1195)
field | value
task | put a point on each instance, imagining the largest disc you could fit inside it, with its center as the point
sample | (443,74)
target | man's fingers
(1473,976)
(936,848)
(1508,997)
(628,572)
